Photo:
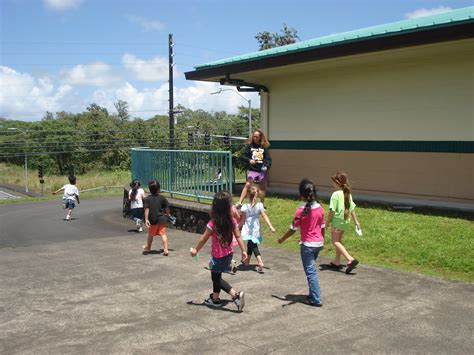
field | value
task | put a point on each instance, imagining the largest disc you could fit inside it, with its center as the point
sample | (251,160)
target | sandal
(334,266)
(351,266)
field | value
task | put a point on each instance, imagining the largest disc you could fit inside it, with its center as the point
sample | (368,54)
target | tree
(96,109)
(122,110)
(268,40)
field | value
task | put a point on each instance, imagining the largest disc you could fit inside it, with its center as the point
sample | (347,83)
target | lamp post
(249,101)
(26,158)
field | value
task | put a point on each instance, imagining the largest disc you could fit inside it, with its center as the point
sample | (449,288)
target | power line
(75,53)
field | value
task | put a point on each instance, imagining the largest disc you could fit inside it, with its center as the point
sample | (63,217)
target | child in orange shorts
(157,212)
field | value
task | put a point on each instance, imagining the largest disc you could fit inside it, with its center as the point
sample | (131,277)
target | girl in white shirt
(136,196)
(251,230)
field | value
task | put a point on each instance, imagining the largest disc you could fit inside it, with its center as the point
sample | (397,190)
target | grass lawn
(428,244)
(408,241)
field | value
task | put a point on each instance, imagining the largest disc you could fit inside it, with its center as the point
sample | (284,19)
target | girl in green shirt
(341,208)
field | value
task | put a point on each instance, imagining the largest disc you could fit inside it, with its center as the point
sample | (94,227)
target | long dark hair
(135,185)
(221,216)
(308,191)
(341,180)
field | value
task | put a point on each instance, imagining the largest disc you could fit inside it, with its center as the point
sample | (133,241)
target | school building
(391,105)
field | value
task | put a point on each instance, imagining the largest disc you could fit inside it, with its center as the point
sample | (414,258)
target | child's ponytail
(347,201)
(342,181)
(308,191)
(135,184)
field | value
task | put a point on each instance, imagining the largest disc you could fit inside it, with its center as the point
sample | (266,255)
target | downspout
(265,113)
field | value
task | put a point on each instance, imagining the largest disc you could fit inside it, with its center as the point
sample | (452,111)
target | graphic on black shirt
(257,154)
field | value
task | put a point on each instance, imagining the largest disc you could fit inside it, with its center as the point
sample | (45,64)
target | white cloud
(96,74)
(148,102)
(62,5)
(147,70)
(26,98)
(426,12)
(145,24)
(198,96)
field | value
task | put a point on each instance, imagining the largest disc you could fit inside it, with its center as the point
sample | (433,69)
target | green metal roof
(390,29)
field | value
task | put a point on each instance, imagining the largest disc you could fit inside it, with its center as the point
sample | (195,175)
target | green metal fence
(193,173)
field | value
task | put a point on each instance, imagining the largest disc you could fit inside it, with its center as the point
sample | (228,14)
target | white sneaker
(234,266)
(140,229)
(68,218)
(137,223)
(239,300)
(212,302)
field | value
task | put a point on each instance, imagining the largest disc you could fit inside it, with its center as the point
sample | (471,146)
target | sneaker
(140,229)
(234,266)
(137,223)
(239,300)
(68,218)
(260,269)
(212,302)
(172,219)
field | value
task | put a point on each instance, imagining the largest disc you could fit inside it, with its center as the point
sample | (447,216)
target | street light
(26,159)
(249,101)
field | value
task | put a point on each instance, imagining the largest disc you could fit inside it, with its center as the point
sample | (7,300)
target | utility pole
(171,103)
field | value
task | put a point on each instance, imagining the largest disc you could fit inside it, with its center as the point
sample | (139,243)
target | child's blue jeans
(308,257)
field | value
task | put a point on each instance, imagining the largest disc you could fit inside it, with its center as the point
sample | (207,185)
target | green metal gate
(193,173)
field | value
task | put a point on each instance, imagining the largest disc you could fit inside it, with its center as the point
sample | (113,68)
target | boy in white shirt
(71,195)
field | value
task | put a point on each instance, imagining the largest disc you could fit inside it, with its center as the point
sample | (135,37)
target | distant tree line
(96,139)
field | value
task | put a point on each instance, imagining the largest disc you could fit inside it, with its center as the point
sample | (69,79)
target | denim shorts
(221,264)
(69,204)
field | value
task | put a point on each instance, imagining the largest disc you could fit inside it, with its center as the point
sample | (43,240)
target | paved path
(84,287)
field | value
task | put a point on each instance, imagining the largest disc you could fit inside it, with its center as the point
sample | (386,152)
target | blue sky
(62,55)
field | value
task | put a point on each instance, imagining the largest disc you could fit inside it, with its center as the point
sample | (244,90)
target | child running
(70,196)
(157,212)
(251,229)
(310,218)
(136,197)
(221,228)
(341,207)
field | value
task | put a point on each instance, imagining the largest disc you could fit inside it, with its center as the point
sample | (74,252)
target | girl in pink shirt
(222,228)
(309,217)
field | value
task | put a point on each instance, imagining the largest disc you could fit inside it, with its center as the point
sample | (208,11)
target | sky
(63,55)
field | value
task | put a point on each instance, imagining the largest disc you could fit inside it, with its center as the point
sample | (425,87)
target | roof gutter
(249,87)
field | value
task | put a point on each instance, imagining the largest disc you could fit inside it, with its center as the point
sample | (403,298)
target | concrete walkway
(100,295)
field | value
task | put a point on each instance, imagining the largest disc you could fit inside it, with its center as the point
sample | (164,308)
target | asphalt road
(43,222)
(83,287)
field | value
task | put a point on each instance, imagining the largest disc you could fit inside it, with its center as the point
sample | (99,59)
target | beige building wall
(446,176)
(423,93)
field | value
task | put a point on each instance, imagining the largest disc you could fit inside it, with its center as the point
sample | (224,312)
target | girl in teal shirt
(341,208)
